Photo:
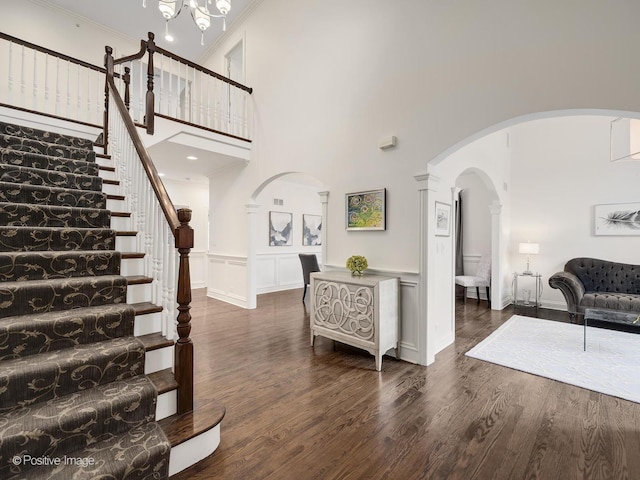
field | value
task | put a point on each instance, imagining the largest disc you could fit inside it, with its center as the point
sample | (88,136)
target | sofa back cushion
(603,276)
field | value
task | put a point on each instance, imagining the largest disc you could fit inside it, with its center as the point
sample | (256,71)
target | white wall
(194,195)
(476,220)
(278,267)
(560,171)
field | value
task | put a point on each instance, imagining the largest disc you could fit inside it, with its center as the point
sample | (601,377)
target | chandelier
(200,14)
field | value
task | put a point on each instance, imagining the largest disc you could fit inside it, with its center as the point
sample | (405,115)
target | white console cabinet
(359,311)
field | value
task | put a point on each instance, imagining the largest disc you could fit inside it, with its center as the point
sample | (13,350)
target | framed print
(443,219)
(311,230)
(366,210)
(617,219)
(280,226)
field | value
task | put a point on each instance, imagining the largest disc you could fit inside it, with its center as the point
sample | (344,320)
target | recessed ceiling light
(161,174)
(192,157)
(168,37)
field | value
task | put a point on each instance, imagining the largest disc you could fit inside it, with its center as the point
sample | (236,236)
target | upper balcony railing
(156,82)
(38,79)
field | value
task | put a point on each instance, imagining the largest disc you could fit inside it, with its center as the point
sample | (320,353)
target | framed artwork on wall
(443,219)
(280,226)
(311,230)
(366,210)
(617,219)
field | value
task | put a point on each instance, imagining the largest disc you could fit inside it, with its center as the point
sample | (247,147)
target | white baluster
(57,108)
(34,104)
(88,101)
(143,90)
(68,87)
(46,83)
(10,73)
(22,80)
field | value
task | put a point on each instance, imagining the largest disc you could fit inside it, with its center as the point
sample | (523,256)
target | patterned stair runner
(72,387)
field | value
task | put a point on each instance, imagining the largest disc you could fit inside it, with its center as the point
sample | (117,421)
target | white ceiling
(131,19)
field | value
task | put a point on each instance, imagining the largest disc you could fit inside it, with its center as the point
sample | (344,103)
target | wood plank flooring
(296,412)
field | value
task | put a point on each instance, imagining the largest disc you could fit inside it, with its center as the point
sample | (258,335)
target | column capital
(427,181)
(324,196)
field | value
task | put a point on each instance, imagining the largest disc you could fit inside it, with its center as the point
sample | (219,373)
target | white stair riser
(146,324)
(167,404)
(120,223)
(107,174)
(111,189)
(126,244)
(132,266)
(159,359)
(116,205)
(139,293)
(194,450)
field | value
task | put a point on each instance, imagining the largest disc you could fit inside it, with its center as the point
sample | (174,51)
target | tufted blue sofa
(589,282)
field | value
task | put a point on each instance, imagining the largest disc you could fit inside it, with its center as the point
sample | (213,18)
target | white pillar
(427,184)
(252,229)
(324,198)
(497,256)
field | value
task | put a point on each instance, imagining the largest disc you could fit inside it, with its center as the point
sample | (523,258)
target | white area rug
(554,350)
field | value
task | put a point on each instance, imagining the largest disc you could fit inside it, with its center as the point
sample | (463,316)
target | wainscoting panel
(227,279)
(198,268)
(279,271)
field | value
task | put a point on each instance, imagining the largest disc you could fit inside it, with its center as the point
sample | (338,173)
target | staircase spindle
(34,89)
(22,80)
(10,73)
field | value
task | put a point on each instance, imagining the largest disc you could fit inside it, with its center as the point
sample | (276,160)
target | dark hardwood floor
(296,412)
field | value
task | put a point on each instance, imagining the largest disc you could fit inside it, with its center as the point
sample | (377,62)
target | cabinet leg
(478,294)
(313,338)
(378,362)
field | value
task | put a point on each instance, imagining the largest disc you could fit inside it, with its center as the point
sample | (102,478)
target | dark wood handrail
(156,183)
(135,56)
(202,69)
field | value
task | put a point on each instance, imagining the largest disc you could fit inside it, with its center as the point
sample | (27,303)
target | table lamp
(529,249)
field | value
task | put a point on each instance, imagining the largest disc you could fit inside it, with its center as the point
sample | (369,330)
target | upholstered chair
(482,278)
(309,263)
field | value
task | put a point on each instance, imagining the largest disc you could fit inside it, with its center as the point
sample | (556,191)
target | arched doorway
(285,214)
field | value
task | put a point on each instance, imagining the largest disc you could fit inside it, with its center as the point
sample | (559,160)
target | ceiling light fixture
(170,9)
(192,157)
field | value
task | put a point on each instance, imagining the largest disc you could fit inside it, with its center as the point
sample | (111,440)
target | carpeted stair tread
(27,215)
(44,195)
(39,176)
(62,425)
(38,296)
(141,453)
(47,162)
(24,144)
(45,136)
(22,266)
(50,238)
(42,377)
(24,335)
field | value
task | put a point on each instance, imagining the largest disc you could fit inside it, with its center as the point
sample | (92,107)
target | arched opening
(548,172)
(285,216)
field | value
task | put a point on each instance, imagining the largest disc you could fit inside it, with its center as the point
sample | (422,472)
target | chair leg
(478,293)
(305,292)
(488,297)
(464,294)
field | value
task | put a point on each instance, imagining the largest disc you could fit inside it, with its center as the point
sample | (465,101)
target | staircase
(74,398)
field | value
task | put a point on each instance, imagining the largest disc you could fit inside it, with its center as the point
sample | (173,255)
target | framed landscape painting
(311,230)
(617,219)
(366,210)
(280,229)
(443,219)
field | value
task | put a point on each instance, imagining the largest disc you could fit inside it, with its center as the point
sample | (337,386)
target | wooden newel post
(108,65)
(184,345)
(150,98)
(127,80)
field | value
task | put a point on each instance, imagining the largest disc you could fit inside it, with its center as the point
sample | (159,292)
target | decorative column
(324,198)
(497,254)
(252,229)
(427,186)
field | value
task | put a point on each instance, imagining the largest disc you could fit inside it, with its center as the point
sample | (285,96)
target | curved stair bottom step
(194,435)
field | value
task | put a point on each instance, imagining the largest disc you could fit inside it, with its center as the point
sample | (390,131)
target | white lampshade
(201,18)
(223,6)
(529,248)
(167,8)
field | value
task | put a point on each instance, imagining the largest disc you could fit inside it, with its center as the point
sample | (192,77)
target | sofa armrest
(571,287)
